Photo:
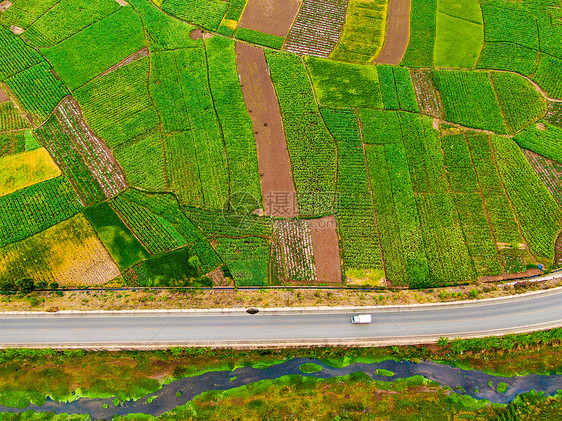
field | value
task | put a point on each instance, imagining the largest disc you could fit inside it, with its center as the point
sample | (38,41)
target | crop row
(11,118)
(235,121)
(86,160)
(205,13)
(154,232)
(12,143)
(363,33)
(311,148)
(117,105)
(426,93)
(543,140)
(180,87)
(167,207)
(317,28)
(229,224)
(35,208)
(247,259)
(520,102)
(469,99)
(550,172)
(554,113)
(38,90)
(15,55)
(422,34)
(143,161)
(356,217)
(539,214)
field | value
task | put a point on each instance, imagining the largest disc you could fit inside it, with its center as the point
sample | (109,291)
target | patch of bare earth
(17,30)
(122,2)
(325,243)
(4,96)
(5,5)
(200,34)
(273,158)
(397,33)
(510,276)
(128,60)
(273,17)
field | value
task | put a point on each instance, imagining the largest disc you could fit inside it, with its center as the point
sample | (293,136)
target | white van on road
(361,319)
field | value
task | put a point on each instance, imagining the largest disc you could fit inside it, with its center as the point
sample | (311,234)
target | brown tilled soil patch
(273,17)
(397,32)
(325,243)
(273,158)
(4,96)
(128,60)
(199,34)
(17,30)
(506,277)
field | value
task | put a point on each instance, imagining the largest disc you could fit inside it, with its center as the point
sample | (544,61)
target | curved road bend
(398,325)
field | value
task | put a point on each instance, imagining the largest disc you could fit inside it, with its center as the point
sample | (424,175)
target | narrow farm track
(273,158)
(397,32)
(392,325)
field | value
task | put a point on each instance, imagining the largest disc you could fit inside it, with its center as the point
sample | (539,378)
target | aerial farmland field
(324,142)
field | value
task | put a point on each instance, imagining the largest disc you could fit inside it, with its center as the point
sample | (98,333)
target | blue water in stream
(165,399)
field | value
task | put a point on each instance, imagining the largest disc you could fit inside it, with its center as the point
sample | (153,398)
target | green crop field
(137,122)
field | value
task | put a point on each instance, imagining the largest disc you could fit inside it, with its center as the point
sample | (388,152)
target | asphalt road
(390,325)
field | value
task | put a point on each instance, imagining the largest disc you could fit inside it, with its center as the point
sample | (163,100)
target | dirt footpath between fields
(273,158)
(273,17)
(397,32)
(326,246)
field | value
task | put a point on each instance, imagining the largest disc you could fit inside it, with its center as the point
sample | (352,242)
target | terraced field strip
(273,159)
(426,93)
(325,243)
(549,171)
(273,17)
(317,28)
(397,32)
(143,52)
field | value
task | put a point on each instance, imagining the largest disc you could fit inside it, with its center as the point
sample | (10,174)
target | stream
(473,383)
